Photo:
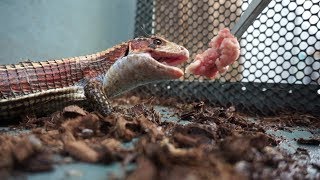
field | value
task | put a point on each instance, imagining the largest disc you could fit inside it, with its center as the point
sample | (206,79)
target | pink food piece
(224,50)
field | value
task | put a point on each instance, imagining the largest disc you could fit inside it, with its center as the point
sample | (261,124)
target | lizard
(31,86)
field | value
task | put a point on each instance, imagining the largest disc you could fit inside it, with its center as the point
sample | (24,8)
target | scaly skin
(40,86)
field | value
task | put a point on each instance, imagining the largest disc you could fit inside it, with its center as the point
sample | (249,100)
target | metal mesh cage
(279,66)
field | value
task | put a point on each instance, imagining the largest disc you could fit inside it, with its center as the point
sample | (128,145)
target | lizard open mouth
(171,59)
(167,62)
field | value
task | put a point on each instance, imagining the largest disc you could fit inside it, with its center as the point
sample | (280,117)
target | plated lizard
(37,86)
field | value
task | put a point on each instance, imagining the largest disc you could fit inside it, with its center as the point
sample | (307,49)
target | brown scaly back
(29,77)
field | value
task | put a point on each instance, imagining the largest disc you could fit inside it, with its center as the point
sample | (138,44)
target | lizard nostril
(181,48)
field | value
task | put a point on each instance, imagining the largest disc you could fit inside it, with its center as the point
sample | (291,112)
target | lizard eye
(157,42)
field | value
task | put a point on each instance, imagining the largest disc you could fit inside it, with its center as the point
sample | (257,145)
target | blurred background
(46,29)
(278,69)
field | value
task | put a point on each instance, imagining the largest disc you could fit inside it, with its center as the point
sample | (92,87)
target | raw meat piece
(224,50)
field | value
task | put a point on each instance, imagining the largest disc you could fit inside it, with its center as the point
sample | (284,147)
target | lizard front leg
(96,96)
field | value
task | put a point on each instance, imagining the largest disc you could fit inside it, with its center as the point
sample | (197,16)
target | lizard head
(147,60)
(164,53)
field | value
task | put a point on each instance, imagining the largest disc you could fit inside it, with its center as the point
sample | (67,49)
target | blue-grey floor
(80,171)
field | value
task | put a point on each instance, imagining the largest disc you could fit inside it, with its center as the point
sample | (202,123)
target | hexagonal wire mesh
(278,69)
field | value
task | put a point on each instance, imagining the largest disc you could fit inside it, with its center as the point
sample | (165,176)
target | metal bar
(250,14)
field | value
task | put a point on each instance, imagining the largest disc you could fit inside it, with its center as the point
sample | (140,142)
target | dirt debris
(310,141)
(215,143)
(81,151)
(292,120)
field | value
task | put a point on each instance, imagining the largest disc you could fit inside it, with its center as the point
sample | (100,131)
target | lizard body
(36,86)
